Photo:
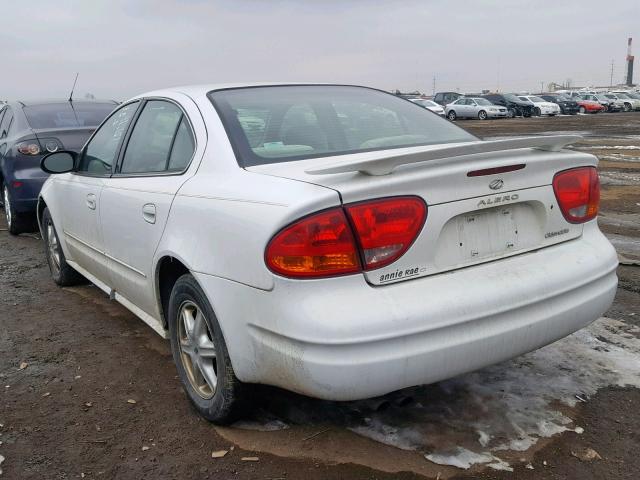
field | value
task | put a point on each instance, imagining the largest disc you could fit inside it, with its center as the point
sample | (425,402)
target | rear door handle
(149,213)
(91,201)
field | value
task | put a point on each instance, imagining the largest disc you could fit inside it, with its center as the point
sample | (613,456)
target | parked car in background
(589,106)
(541,106)
(28,131)
(474,107)
(630,103)
(610,104)
(568,106)
(298,254)
(515,107)
(444,98)
(429,105)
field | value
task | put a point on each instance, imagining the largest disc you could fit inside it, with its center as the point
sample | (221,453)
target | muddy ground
(88,391)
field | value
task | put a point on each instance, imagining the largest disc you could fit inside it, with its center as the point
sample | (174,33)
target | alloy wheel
(7,205)
(197,349)
(53,247)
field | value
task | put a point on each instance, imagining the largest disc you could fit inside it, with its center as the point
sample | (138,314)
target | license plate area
(487,233)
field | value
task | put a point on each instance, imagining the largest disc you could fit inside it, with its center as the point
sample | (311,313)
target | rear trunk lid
(470,219)
(70,138)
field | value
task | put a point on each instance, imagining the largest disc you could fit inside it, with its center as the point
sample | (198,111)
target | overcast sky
(125,47)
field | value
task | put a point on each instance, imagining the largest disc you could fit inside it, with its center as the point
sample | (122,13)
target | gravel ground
(88,391)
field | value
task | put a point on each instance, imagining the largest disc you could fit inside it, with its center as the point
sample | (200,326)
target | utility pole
(541,87)
(433,87)
(611,79)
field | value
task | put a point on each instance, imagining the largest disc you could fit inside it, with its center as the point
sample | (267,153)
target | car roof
(203,89)
(53,101)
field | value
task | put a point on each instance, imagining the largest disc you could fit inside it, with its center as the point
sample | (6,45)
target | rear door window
(149,146)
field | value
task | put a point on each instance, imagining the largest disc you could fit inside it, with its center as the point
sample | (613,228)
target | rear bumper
(342,339)
(24,184)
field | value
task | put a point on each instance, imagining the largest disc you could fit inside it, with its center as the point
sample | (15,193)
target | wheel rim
(452,116)
(582,109)
(7,206)
(197,350)
(53,247)
(483,115)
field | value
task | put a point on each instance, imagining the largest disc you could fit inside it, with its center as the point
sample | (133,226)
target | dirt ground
(88,391)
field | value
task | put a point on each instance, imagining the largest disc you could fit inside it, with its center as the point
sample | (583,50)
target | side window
(149,147)
(6,123)
(101,151)
(183,147)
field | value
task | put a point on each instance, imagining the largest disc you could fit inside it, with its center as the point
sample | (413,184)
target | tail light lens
(578,193)
(340,241)
(386,228)
(316,246)
(29,148)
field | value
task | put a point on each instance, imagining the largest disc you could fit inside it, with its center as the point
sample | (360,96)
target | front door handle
(91,201)
(149,213)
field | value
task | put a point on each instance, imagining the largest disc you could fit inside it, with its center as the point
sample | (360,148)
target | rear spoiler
(384,162)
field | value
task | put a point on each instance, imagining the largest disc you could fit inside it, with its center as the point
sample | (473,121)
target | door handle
(91,201)
(149,213)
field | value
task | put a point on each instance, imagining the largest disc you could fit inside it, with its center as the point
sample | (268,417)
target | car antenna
(73,88)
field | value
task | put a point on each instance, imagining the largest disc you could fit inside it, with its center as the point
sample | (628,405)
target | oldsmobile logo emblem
(496,184)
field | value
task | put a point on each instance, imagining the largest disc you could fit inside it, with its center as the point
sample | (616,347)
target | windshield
(286,123)
(563,98)
(622,95)
(536,99)
(67,115)
(482,101)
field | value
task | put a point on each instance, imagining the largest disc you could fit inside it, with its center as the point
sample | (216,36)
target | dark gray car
(28,131)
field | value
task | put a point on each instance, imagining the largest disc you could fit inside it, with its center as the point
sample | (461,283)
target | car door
(78,194)
(136,200)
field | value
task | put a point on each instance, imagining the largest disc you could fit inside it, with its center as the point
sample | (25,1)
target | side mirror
(59,162)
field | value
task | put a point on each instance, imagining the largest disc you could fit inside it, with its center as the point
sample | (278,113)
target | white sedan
(429,105)
(474,107)
(541,106)
(331,240)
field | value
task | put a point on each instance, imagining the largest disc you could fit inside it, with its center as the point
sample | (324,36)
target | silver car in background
(429,105)
(474,107)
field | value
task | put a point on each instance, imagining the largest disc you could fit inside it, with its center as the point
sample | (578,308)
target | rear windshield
(67,115)
(286,123)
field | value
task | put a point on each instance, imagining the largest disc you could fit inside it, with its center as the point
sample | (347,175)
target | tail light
(29,148)
(578,193)
(386,228)
(348,239)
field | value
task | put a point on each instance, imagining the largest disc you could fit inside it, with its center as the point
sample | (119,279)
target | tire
(452,116)
(61,272)
(190,311)
(583,110)
(627,107)
(482,115)
(511,113)
(537,112)
(17,223)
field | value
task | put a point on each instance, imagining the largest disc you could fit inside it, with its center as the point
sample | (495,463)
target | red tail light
(316,246)
(386,228)
(578,193)
(324,244)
